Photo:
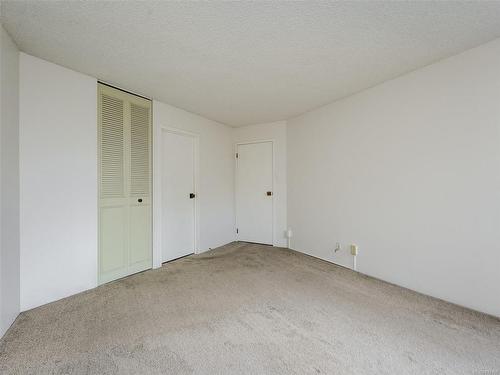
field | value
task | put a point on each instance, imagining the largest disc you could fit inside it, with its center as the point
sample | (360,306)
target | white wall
(58,174)
(215,195)
(410,171)
(9,181)
(58,170)
(275,131)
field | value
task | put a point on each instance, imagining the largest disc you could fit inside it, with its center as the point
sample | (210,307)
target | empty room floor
(246,308)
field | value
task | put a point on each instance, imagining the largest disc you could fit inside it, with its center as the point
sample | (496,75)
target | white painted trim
(157,189)
(272,185)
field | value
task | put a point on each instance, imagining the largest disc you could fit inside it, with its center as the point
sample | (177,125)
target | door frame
(273,224)
(157,189)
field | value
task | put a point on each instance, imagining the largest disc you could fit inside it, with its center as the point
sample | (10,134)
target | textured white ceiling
(248,62)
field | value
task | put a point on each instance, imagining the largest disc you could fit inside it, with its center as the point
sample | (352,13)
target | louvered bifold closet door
(125,184)
(140,185)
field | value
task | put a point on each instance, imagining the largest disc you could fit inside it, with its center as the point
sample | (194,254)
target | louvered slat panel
(111,147)
(139,151)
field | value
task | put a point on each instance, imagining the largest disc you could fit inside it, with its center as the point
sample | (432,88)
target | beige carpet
(251,309)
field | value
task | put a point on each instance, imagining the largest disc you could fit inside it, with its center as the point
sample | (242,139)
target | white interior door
(178,207)
(254,186)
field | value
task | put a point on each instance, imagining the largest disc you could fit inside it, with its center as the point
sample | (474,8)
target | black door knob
(139,200)
(192,195)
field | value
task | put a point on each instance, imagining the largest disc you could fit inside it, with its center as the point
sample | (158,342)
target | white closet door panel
(139,151)
(140,236)
(113,254)
(140,176)
(112,146)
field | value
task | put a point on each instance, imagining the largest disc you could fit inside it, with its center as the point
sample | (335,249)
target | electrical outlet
(354,249)
(337,247)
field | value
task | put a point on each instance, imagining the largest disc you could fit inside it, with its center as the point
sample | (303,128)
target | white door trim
(157,189)
(272,186)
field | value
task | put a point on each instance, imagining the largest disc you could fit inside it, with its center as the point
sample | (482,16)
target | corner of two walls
(9,181)
(275,131)
(215,172)
(58,176)
(58,179)
(410,172)
(217,163)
